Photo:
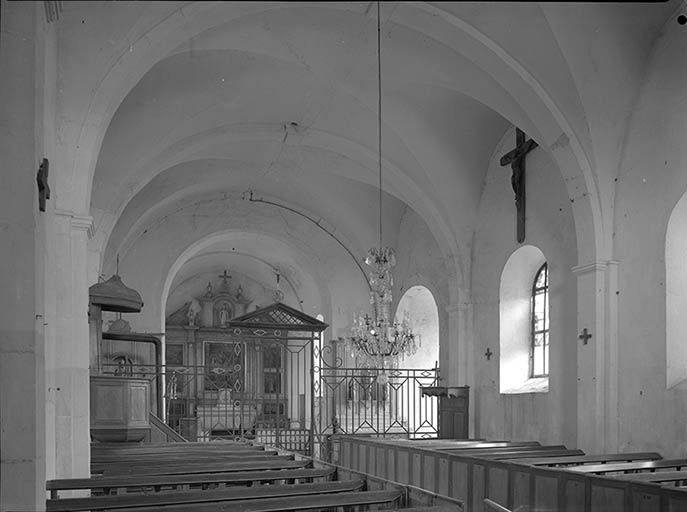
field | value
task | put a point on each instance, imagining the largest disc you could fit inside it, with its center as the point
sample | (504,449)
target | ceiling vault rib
(252,199)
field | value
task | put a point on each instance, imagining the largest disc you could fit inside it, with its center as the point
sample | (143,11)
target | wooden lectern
(454,403)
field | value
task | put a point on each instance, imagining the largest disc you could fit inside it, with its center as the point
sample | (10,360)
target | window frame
(546,330)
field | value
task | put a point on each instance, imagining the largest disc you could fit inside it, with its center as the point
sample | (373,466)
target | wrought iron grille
(299,395)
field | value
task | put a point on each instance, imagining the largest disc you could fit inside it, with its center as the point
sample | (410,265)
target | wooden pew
(630,466)
(200,467)
(106,485)
(515,456)
(289,503)
(657,476)
(590,459)
(198,497)
(127,465)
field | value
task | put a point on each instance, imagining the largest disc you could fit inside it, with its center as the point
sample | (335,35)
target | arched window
(524,323)
(539,338)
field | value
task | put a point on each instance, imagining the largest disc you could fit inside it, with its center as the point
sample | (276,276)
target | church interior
(346,230)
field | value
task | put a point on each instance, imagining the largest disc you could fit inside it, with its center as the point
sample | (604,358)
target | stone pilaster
(597,361)
(70,366)
(22,321)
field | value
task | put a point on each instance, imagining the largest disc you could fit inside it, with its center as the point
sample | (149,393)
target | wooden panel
(416,469)
(521,491)
(605,498)
(391,464)
(498,484)
(345,452)
(545,492)
(442,486)
(381,466)
(362,458)
(478,490)
(109,406)
(643,501)
(403,466)
(459,480)
(574,496)
(138,405)
(429,481)
(677,503)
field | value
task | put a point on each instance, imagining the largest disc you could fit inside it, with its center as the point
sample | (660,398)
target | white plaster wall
(650,182)
(547,417)
(421,262)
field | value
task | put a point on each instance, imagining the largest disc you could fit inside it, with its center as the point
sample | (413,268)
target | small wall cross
(585,336)
(488,354)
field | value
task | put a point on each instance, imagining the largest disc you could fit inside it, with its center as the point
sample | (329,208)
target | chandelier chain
(379,116)
(379,341)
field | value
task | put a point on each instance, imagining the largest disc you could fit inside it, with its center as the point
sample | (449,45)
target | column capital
(78,222)
(594,266)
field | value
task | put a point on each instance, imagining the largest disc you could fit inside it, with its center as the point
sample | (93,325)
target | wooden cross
(585,336)
(516,159)
(488,354)
(225,276)
(42,182)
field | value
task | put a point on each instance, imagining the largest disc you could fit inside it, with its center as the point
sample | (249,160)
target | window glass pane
(538,361)
(541,278)
(540,304)
(539,340)
(546,360)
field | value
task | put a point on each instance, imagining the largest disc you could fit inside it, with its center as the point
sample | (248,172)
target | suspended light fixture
(378,341)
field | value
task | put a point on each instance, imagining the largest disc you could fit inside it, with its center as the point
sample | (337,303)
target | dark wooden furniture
(454,403)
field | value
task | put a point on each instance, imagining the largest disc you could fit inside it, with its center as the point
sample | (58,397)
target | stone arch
(514,318)
(208,241)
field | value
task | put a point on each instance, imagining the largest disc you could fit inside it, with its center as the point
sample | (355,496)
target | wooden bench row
(542,480)
(182,478)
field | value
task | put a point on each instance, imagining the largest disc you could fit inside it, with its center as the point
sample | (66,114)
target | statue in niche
(223,315)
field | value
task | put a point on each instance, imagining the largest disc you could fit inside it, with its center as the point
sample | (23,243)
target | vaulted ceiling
(281,100)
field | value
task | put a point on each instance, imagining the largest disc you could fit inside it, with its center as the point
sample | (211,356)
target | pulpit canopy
(114,295)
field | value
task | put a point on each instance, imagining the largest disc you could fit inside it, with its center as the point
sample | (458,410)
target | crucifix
(225,276)
(488,354)
(585,336)
(516,159)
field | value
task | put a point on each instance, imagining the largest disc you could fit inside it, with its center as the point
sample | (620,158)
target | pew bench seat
(590,459)
(289,503)
(95,503)
(106,485)
(629,466)
(210,467)
(657,476)
(126,465)
(181,455)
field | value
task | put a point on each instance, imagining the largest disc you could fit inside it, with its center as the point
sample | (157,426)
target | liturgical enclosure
(268,375)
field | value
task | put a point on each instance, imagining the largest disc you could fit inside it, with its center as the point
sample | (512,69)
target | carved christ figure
(516,159)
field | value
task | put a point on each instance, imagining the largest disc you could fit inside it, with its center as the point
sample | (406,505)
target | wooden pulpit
(454,403)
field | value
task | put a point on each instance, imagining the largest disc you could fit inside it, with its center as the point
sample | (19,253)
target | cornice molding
(78,222)
(594,266)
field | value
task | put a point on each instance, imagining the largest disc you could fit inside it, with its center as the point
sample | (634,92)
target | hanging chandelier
(376,340)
